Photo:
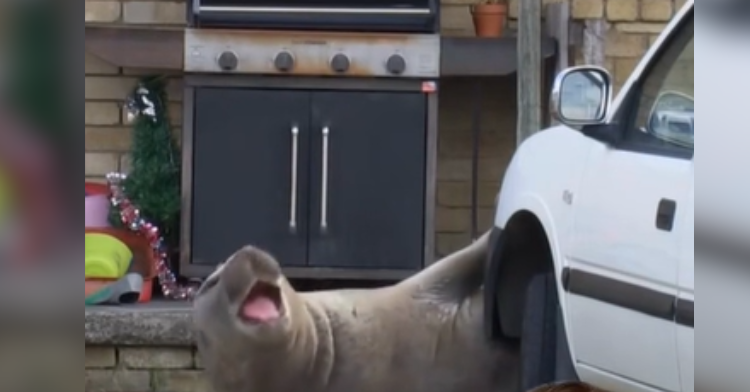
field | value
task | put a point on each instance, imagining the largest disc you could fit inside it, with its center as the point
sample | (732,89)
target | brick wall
(108,133)
(497,142)
(143,369)
(634,24)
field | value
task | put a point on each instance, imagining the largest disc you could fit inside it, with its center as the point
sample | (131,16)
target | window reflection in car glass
(673,117)
(668,105)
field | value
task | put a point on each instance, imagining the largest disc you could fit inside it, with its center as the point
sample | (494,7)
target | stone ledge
(164,324)
(137,47)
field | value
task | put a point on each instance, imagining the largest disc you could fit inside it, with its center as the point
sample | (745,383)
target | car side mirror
(582,96)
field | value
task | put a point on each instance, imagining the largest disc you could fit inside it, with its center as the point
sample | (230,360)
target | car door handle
(665,215)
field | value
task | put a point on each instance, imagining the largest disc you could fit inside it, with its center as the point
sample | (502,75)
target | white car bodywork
(598,207)
(722,241)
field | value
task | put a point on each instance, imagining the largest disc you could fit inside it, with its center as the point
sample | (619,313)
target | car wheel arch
(523,251)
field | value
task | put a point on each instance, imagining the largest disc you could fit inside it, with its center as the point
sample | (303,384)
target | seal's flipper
(457,275)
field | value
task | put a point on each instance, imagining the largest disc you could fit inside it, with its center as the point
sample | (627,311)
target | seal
(255,333)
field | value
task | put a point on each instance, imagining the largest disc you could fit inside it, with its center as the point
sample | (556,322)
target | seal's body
(422,335)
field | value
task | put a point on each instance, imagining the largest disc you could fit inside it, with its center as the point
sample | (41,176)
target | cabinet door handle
(295,174)
(324,181)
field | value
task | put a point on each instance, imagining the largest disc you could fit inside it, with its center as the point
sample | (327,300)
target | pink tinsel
(132,218)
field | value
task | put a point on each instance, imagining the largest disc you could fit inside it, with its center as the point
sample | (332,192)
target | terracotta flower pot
(489,19)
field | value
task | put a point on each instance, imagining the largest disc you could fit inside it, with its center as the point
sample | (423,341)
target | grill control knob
(284,62)
(340,63)
(228,61)
(396,64)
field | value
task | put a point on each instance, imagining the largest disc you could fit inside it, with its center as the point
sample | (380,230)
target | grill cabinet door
(245,145)
(367,180)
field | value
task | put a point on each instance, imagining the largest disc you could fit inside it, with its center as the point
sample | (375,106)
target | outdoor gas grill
(311,131)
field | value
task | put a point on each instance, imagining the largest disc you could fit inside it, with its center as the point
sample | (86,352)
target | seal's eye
(209,284)
(262,305)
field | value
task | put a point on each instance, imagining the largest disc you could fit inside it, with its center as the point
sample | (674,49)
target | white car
(592,262)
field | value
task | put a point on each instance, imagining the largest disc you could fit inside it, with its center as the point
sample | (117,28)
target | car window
(663,102)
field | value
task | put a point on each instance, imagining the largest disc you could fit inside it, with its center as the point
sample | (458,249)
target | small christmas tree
(154,182)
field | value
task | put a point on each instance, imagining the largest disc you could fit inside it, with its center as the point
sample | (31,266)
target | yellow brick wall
(498,118)
(634,24)
(107,131)
(108,134)
(155,369)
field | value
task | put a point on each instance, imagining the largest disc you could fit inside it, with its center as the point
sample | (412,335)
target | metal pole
(476,136)
(530,69)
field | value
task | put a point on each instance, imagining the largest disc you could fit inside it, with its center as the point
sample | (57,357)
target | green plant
(154,182)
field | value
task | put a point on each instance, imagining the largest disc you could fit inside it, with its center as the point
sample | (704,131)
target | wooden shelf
(484,57)
(162,49)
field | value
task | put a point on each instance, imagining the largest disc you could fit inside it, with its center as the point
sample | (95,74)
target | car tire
(545,355)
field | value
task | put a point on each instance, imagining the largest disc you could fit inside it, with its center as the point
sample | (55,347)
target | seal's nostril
(264,265)
(237,278)
(209,284)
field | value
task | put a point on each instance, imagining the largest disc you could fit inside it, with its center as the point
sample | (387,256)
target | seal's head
(248,295)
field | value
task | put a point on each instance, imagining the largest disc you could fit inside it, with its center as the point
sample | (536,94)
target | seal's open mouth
(263,304)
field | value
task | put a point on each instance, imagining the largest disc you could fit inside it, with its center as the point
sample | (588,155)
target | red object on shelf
(144,262)
(96,189)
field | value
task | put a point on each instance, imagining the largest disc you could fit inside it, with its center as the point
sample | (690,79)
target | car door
(624,250)
(722,228)
(624,261)
(686,301)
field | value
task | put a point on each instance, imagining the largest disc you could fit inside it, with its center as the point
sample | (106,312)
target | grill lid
(327,5)
(355,15)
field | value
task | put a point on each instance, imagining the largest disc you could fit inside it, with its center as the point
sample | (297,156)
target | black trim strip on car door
(629,296)
(684,313)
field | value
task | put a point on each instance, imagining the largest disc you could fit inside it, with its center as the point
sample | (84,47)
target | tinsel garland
(152,189)
(132,219)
